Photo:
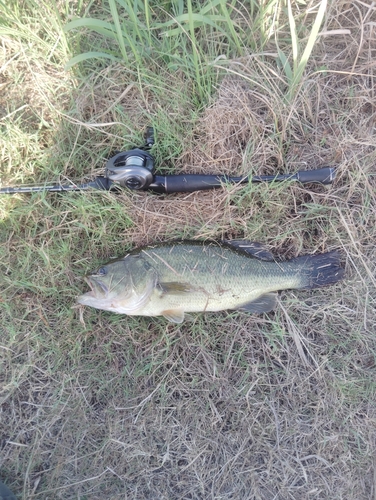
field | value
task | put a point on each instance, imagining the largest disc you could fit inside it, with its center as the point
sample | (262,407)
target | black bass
(173,279)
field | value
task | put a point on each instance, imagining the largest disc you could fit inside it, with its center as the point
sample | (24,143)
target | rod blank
(100,182)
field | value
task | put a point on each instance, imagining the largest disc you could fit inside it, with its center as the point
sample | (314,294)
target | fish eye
(102,271)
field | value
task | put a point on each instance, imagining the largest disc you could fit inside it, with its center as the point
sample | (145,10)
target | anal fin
(263,304)
(174,315)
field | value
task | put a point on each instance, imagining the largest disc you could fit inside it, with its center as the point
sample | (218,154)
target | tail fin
(319,270)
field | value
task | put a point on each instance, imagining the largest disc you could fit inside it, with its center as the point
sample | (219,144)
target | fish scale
(219,277)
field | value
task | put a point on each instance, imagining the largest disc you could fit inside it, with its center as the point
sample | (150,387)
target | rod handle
(324,175)
(185,183)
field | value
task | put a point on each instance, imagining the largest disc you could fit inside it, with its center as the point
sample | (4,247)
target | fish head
(121,285)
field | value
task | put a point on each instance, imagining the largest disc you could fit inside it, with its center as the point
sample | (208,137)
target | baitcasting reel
(133,169)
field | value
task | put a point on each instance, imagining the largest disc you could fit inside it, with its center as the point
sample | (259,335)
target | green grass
(228,405)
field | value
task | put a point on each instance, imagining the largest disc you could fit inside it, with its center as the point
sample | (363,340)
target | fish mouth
(96,287)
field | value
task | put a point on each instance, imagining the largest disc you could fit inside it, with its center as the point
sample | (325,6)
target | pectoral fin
(265,303)
(174,315)
(174,287)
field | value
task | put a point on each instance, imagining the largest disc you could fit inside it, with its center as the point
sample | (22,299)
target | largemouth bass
(173,279)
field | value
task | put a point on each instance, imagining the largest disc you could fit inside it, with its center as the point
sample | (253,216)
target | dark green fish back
(190,260)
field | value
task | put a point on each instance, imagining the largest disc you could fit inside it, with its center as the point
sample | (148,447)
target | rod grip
(185,183)
(323,175)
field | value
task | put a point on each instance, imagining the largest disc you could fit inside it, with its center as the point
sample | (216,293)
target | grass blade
(194,45)
(88,22)
(230,25)
(298,73)
(89,55)
(286,66)
(197,20)
(294,37)
(147,19)
(132,11)
(312,37)
(119,32)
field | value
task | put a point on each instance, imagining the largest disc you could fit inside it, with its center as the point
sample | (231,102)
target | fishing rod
(134,169)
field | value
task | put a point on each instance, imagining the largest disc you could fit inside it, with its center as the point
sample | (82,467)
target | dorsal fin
(252,248)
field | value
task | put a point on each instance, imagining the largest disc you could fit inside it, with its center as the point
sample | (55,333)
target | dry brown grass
(225,406)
